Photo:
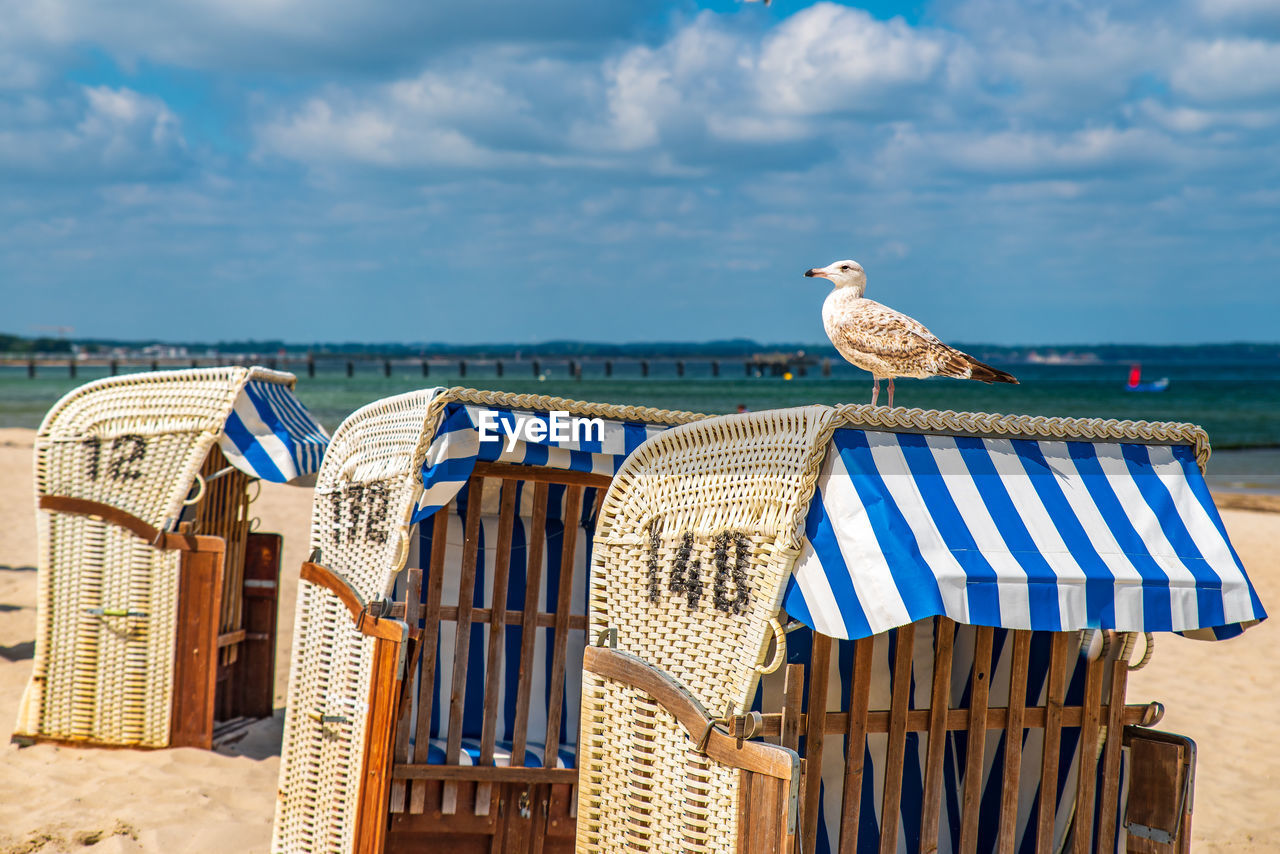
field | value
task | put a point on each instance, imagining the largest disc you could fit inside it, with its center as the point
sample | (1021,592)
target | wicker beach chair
(157,603)
(956,598)
(441,624)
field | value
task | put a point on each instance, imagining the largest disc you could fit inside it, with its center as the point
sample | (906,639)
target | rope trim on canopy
(993,426)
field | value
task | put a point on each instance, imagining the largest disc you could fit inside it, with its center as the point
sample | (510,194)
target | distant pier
(771,364)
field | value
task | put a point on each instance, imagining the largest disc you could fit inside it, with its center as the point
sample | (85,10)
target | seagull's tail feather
(987,374)
(964,366)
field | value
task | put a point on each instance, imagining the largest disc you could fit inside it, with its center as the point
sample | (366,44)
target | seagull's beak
(816,273)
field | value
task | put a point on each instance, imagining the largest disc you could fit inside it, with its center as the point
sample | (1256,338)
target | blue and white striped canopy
(271,435)
(1018,534)
(470,433)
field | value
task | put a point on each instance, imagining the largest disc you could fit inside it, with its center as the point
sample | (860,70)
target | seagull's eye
(846,268)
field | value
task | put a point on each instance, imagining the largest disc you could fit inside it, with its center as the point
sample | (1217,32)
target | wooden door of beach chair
(410,690)
(940,586)
(156,602)
(496,682)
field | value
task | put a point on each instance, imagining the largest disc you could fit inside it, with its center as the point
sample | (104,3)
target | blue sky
(1010,171)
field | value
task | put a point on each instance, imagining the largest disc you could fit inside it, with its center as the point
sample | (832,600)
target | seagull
(885,342)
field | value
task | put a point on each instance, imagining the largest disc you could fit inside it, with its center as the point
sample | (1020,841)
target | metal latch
(523,806)
(114,612)
(321,718)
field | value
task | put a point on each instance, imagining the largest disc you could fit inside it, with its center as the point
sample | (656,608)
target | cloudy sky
(1013,171)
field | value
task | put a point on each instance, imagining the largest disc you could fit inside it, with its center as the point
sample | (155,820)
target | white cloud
(1228,69)
(831,59)
(103,134)
(1191,120)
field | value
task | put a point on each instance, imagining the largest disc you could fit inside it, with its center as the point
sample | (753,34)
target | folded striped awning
(271,435)
(471,433)
(1018,534)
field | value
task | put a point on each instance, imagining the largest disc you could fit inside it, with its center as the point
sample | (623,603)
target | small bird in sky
(887,343)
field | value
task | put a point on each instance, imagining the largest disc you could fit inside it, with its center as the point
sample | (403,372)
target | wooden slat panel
(814,737)
(976,742)
(1088,776)
(536,474)
(231,638)
(538,801)
(223,512)
(898,700)
(1161,779)
(1013,741)
(939,703)
(542,619)
(564,602)
(1052,744)
(763,821)
(195,672)
(1112,752)
(528,630)
(856,740)
(497,632)
(372,802)
(462,635)
(495,774)
(257,664)
(792,704)
(413,604)
(919,720)
(430,645)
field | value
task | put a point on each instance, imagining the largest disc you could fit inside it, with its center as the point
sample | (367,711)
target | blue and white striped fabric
(469,433)
(1018,534)
(270,434)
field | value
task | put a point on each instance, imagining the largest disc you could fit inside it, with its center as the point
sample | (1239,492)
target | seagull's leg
(890,391)
(875,390)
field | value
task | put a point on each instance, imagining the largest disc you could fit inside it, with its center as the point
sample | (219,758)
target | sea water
(1238,404)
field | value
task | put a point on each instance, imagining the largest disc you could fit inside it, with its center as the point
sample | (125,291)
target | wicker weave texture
(630,736)
(135,442)
(715,496)
(366,492)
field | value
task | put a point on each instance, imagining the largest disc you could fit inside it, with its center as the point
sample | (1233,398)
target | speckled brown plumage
(888,343)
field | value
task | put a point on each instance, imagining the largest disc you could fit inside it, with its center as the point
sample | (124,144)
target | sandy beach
(1223,695)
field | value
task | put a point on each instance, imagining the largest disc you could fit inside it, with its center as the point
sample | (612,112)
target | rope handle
(1146,653)
(779,648)
(1095,644)
(200,482)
